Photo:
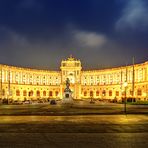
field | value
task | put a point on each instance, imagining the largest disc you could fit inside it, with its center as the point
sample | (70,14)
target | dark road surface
(73,140)
(103,131)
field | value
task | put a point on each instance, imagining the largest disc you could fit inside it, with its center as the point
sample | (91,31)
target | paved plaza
(106,131)
(103,125)
(78,108)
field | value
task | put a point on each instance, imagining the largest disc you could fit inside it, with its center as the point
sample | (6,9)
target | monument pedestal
(67,99)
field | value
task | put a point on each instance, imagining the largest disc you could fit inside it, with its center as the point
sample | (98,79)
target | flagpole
(125,87)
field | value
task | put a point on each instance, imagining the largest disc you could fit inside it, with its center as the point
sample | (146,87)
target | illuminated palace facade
(23,83)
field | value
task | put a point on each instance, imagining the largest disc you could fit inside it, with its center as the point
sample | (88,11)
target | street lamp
(125,99)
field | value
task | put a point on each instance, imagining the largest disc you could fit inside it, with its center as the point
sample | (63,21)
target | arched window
(97,93)
(50,93)
(104,93)
(85,93)
(91,93)
(38,93)
(110,93)
(44,93)
(56,93)
(17,93)
(24,93)
(139,92)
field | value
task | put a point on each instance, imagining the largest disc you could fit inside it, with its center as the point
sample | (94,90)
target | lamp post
(125,99)
(8,93)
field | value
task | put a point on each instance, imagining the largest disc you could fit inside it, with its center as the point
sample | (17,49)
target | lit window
(17,93)
(38,93)
(139,92)
(97,93)
(50,93)
(91,93)
(85,93)
(24,93)
(44,93)
(117,93)
(110,93)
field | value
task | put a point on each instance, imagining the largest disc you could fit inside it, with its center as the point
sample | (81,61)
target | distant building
(23,83)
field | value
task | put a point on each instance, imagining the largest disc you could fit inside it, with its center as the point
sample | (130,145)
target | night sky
(101,33)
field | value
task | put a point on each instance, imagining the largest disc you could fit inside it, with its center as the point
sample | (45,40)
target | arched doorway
(30,93)
(110,93)
(139,92)
(44,93)
(85,93)
(24,93)
(91,93)
(17,93)
(56,93)
(104,93)
(50,94)
(38,93)
(97,93)
(117,93)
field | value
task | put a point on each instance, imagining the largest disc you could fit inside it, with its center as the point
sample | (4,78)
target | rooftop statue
(71,58)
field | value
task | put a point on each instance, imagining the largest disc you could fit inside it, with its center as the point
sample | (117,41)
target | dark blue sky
(101,33)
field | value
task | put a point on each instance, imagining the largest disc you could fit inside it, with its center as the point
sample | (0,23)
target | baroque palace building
(19,83)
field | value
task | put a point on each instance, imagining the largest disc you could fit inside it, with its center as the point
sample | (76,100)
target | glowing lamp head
(125,84)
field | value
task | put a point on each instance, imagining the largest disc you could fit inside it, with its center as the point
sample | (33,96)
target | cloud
(18,49)
(89,39)
(21,50)
(134,16)
(11,37)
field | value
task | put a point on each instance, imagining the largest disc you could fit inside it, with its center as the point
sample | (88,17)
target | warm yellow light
(125,84)
(144,94)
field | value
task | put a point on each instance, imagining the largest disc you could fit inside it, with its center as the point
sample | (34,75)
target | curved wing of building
(23,83)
